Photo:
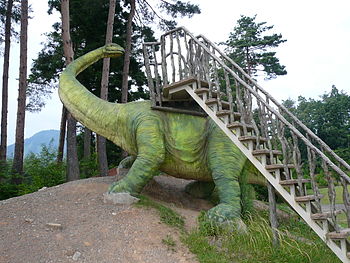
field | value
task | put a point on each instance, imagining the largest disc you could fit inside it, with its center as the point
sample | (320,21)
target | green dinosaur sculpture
(183,146)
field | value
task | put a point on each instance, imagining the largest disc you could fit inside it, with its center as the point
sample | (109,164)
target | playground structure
(190,75)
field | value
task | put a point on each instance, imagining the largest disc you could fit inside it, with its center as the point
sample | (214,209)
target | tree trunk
(5,77)
(101,141)
(273,215)
(21,106)
(72,152)
(87,144)
(63,125)
(127,53)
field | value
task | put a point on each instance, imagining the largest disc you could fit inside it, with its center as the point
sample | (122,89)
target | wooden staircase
(284,150)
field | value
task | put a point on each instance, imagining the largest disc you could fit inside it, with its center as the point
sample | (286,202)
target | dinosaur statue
(184,146)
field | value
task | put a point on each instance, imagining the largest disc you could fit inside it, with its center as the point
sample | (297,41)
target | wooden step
(183,82)
(342,234)
(325,215)
(274,167)
(248,138)
(235,125)
(222,113)
(225,104)
(306,198)
(294,182)
(206,90)
(266,152)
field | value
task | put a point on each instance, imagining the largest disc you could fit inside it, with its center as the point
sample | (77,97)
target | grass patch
(211,244)
(298,243)
(341,218)
(167,215)
(338,195)
(169,242)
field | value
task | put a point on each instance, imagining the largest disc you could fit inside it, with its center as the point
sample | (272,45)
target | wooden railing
(302,155)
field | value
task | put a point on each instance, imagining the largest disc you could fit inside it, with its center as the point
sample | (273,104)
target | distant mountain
(35,143)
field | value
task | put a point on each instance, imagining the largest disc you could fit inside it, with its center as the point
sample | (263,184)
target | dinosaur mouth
(114,49)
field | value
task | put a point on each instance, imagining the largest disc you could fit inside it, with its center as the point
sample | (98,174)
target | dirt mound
(70,223)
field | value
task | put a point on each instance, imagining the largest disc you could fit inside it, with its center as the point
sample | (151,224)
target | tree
(127,52)
(88,28)
(15,12)
(328,117)
(250,47)
(72,153)
(5,76)
(101,141)
(17,166)
(146,15)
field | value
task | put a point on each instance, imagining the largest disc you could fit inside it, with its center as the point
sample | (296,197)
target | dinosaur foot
(120,187)
(226,216)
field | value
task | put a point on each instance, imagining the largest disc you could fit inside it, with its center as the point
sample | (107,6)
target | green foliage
(298,244)
(16,16)
(250,47)
(88,27)
(328,117)
(167,215)
(173,9)
(41,170)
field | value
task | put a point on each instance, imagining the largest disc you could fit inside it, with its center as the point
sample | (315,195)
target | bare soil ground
(70,223)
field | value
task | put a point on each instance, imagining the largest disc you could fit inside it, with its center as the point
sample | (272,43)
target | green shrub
(42,170)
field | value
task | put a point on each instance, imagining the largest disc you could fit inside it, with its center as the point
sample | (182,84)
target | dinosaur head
(113,50)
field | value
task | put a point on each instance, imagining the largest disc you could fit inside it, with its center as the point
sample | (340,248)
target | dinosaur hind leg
(226,163)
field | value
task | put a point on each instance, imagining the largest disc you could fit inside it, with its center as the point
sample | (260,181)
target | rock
(54,226)
(76,255)
(119,198)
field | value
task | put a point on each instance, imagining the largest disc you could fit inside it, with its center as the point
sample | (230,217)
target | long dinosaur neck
(98,115)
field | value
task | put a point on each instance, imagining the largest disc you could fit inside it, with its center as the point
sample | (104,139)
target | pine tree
(101,141)
(17,166)
(250,46)
(5,76)
(72,153)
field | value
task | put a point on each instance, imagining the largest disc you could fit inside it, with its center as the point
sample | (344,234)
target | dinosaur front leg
(226,163)
(150,155)
(127,162)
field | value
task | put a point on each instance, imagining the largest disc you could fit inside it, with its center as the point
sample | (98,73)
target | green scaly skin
(183,146)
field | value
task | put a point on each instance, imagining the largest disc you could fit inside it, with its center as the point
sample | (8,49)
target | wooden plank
(177,84)
(235,125)
(251,138)
(266,152)
(306,198)
(325,215)
(212,101)
(342,234)
(206,90)
(294,182)
(273,167)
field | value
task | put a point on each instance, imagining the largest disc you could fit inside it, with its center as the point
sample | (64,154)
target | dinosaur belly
(186,147)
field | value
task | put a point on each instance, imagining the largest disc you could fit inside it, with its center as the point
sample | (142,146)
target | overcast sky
(316,54)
